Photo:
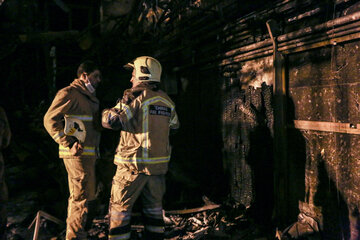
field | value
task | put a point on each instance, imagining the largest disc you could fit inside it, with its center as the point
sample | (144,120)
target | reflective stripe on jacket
(145,123)
(77,102)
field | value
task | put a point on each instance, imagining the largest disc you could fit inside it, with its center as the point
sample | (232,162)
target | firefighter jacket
(145,117)
(77,102)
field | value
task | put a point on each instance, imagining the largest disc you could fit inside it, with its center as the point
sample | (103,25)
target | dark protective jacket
(145,117)
(74,101)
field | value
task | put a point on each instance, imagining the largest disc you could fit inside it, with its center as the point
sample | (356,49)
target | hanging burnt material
(247,136)
(234,148)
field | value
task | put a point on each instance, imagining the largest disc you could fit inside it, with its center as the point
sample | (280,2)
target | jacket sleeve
(119,117)
(54,118)
(6,137)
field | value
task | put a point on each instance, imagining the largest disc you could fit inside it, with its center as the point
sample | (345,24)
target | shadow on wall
(260,154)
(260,159)
(296,155)
(336,223)
(312,181)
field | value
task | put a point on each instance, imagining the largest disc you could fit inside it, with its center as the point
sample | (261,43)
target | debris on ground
(211,221)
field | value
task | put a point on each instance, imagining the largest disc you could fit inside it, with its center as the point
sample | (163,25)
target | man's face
(94,78)
(133,79)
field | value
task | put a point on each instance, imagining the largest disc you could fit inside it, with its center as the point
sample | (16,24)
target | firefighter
(145,115)
(78,101)
(5,136)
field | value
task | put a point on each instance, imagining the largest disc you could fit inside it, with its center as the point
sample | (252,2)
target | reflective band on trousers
(120,216)
(157,160)
(120,236)
(145,121)
(81,117)
(153,212)
(88,151)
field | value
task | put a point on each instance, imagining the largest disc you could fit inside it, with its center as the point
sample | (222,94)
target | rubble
(211,221)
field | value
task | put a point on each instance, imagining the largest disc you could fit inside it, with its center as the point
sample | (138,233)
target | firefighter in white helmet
(145,115)
(73,121)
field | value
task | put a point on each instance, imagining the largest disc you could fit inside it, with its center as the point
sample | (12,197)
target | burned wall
(247,128)
(323,86)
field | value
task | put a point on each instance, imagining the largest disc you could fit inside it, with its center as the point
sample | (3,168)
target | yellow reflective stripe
(86,148)
(125,108)
(88,151)
(156,160)
(174,120)
(120,236)
(145,129)
(83,154)
(58,135)
(81,117)
(155,229)
(145,125)
(118,106)
(156,99)
(128,112)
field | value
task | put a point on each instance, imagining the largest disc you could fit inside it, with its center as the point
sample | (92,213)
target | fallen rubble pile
(211,221)
(208,222)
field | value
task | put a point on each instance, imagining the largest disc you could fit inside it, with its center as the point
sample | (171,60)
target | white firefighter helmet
(146,69)
(75,127)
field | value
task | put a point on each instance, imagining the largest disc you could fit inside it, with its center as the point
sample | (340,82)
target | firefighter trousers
(3,199)
(127,186)
(82,187)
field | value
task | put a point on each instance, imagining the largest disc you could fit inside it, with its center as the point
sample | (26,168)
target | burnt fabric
(5,136)
(77,102)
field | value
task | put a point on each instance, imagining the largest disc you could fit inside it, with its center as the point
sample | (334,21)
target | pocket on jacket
(122,186)
(77,188)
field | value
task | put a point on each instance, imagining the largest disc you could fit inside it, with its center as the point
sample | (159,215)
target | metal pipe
(249,48)
(304,15)
(285,46)
(321,27)
(324,43)
(246,58)
(349,28)
(319,39)
(297,41)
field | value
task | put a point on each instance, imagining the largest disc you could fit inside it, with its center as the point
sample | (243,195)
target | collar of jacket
(80,85)
(132,93)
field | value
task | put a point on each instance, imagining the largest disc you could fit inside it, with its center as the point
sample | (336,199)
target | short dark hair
(86,66)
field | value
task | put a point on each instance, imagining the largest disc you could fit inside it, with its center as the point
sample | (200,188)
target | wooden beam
(332,41)
(281,186)
(350,128)
(47,36)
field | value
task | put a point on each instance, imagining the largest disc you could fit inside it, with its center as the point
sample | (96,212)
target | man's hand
(76,149)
